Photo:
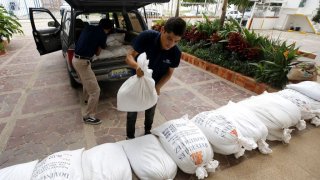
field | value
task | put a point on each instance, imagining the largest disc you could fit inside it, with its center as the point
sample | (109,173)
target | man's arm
(164,80)
(132,63)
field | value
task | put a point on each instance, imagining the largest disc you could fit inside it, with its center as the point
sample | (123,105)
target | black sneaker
(91,120)
(147,132)
(128,138)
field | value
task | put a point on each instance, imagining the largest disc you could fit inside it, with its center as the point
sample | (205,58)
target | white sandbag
(138,94)
(223,134)
(18,171)
(301,125)
(105,162)
(187,146)
(248,124)
(310,108)
(148,159)
(303,102)
(277,113)
(63,165)
(115,39)
(308,88)
(112,52)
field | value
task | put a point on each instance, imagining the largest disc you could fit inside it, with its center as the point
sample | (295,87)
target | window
(67,22)
(136,26)
(41,20)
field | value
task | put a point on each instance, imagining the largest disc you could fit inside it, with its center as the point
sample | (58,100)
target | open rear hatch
(105,5)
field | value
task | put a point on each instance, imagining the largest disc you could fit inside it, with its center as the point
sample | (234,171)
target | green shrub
(241,50)
(274,67)
(202,53)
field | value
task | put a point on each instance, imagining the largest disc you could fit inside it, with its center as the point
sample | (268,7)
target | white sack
(115,39)
(112,52)
(303,102)
(106,162)
(308,88)
(148,159)
(277,113)
(63,165)
(187,146)
(18,171)
(309,108)
(138,94)
(222,133)
(248,124)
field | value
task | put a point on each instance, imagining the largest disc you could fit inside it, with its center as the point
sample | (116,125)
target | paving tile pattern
(2,125)
(221,92)
(49,98)
(7,103)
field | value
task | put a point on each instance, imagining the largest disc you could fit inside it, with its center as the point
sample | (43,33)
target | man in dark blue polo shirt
(163,55)
(90,42)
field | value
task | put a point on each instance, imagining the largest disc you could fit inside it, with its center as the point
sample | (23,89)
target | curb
(307,54)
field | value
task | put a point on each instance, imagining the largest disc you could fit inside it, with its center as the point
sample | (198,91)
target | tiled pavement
(41,114)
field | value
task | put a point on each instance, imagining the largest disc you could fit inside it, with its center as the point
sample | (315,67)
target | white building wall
(292,4)
(292,14)
(281,22)
(309,8)
(263,23)
(20,7)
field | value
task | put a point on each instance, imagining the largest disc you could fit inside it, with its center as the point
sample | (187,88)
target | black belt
(82,57)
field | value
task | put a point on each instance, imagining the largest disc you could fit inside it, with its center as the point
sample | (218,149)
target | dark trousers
(131,121)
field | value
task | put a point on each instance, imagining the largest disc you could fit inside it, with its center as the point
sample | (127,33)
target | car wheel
(73,82)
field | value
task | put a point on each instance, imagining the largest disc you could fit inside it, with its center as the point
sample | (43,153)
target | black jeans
(131,121)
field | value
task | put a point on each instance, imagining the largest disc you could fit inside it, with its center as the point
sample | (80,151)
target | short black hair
(106,24)
(176,25)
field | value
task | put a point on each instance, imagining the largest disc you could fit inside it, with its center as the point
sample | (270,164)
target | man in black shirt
(163,55)
(90,43)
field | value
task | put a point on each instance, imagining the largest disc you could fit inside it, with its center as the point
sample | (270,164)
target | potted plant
(8,26)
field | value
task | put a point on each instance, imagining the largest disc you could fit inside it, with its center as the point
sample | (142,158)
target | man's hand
(139,72)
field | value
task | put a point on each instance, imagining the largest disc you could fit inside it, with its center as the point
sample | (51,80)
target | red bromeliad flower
(236,43)
(252,53)
(214,38)
(193,35)
(239,45)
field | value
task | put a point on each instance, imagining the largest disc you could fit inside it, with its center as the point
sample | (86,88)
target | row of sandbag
(246,125)
(145,155)
(187,144)
(176,143)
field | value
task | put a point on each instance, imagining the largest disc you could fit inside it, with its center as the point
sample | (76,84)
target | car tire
(73,82)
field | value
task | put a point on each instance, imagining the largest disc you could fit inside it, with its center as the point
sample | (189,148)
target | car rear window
(136,27)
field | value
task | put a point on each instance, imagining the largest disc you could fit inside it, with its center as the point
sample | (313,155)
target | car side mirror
(53,24)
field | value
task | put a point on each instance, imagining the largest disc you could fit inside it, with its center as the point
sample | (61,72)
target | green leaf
(9,24)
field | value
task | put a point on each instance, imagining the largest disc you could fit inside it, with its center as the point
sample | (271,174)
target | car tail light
(70,53)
